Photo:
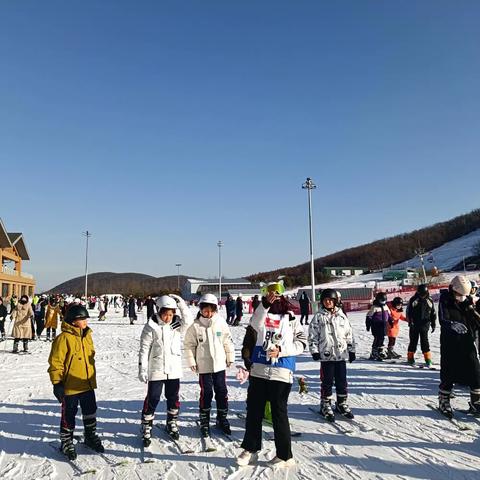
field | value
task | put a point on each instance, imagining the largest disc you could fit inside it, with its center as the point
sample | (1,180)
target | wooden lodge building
(13,280)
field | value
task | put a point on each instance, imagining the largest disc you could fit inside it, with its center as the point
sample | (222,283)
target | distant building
(343,271)
(13,251)
(194,288)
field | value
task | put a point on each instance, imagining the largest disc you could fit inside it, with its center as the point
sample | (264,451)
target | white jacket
(283,331)
(209,345)
(330,334)
(161,346)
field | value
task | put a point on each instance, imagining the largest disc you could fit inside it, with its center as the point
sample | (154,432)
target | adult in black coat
(238,311)
(304,302)
(150,304)
(255,302)
(132,314)
(459,322)
(230,308)
(3,316)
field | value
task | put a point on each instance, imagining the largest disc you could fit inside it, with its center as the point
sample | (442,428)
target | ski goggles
(276,288)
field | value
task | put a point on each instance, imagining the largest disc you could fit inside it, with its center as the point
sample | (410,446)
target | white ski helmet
(165,301)
(208,298)
(461,285)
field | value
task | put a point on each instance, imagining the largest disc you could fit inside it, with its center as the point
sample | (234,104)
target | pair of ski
(461,426)
(347,426)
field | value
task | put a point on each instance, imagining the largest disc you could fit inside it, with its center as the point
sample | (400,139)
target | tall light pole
(86,234)
(309,186)
(219,245)
(178,265)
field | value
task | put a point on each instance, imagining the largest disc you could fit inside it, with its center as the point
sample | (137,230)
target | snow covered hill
(398,436)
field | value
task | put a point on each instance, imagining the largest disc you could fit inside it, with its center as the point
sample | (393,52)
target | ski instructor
(280,338)
(459,321)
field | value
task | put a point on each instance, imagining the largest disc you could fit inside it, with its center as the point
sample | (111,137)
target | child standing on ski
(330,339)
(72,373)
(377,319)
(209,351)
(393,325)
(160,361)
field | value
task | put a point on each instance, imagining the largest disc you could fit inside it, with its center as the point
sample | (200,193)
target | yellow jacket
(51,316)
(72,360)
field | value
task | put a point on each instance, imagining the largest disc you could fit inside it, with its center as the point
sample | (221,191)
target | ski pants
(333,372)
(2,326)
(260,391)
(70,403)
(154,392)
(303,317)
(421,332)
(213,382)
(391,341)
(52,332)
(238,319)
(378,332)
(230,318)
(39,324)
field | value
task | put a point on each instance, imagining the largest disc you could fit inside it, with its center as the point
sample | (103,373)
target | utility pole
(420,253)
(219,245)
(309,186)
(178,265)
(86,234)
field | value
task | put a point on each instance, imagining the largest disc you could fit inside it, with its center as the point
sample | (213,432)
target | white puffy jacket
(161,345)
(330,334)
(209,345)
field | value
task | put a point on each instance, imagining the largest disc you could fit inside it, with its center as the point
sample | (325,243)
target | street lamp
(86,234)
(178,265)
(220,245)
(309,186)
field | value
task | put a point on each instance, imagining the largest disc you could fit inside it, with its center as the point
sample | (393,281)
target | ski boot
(15,346)
(172,427)
(444,406)
(92,440)
(205,422)
(25,346)
(392,354)
(374,354)
(411,358)
(342,407)
(326,409)
(222,422)
(428,359)
(147,423)
(474,404)
(66,443)
(382,355)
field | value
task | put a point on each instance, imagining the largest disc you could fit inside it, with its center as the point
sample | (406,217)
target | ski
(113,462)
(341,428)
(76,464)
(182,447)
(460,425)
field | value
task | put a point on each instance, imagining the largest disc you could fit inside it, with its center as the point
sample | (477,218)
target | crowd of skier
(273,339)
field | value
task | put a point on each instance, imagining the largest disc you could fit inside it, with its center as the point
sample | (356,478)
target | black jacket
(421,312)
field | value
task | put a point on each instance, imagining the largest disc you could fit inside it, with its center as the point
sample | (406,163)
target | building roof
(225,281)
(13,239)
(345,268)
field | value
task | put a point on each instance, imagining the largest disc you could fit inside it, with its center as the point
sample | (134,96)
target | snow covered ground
(398,435)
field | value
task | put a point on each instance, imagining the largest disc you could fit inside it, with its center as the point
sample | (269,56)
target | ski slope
(399,436)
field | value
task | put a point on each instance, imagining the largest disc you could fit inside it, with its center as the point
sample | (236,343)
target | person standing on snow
(209,351)
(52,314)
(377,318)
(160,361)
(421,316)
(330,339)
(459,363)
(230,309)
(73,375)
(22,323)
(238,310)
(280,338)
(393,326)
(132,314)
(3,316)
(150,304)
(304,303)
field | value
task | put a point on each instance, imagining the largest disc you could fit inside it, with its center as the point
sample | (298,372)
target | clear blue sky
(164,126)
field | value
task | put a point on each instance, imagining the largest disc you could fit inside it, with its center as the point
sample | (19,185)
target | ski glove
(59,391)
(351,357)
(143,376)
(459,328)
(316,356)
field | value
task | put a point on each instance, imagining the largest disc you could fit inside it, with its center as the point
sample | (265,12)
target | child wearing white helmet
(209,351)
(160,361)
(459,321)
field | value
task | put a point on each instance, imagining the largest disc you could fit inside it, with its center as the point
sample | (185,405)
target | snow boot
(411,358)
(382,355)
(66,443)
(222,421)
(326,409)
(342,407)
(91,439)
(205,422)
(172,426)
(15,346)
(392,354)
(474,403)
(428,359)
(147,424)
(444,404)
(25,345)
(246,458)
(374,354)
